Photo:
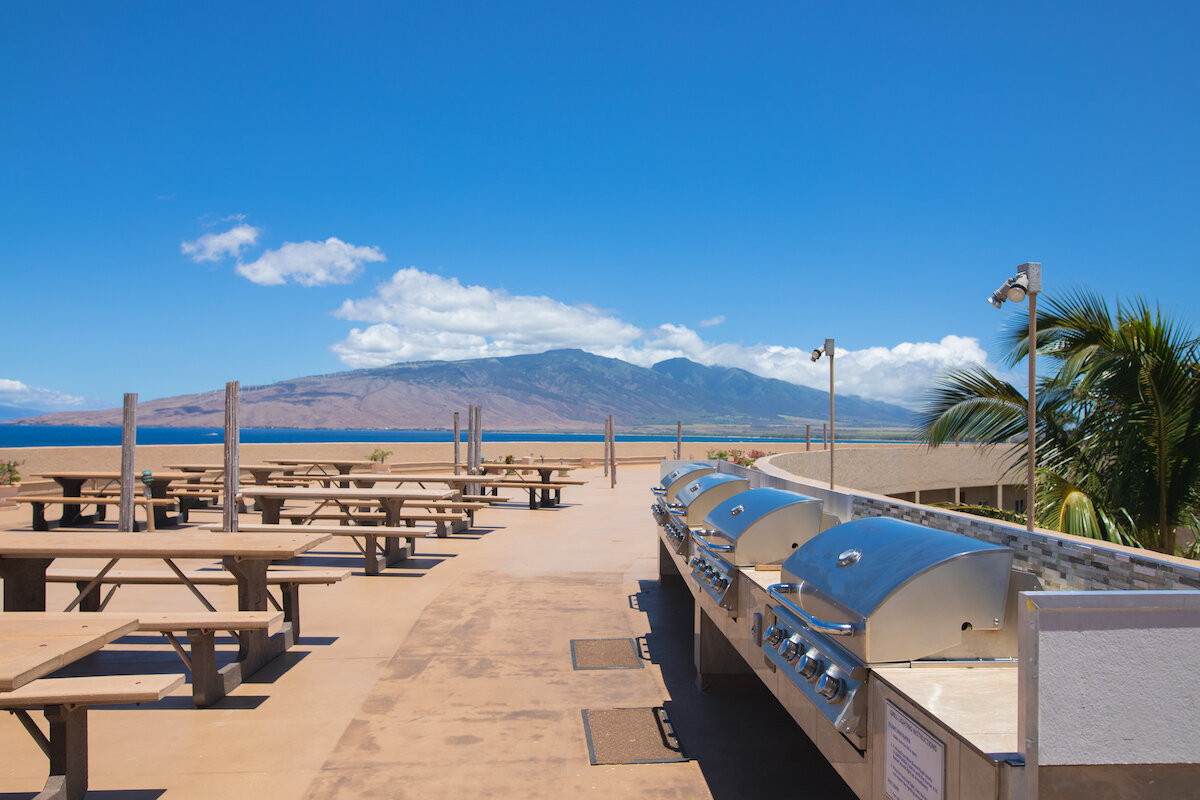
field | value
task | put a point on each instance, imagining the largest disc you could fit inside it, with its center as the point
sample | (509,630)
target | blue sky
(196,193)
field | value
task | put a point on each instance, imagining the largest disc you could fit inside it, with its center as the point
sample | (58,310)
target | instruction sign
(914,763)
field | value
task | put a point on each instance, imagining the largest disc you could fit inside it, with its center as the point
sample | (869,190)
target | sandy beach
(47,459)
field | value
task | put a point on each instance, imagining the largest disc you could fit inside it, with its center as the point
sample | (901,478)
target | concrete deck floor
(449,675)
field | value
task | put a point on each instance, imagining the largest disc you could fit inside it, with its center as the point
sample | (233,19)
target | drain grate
(605,654)
(630,736)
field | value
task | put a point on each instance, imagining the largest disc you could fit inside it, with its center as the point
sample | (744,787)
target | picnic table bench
(380,545)
(72,509)
(287,580)
(65,703)
(33,645)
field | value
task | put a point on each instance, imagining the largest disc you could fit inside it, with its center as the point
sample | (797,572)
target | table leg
(71,516)
(24,583)
(68,748)
(392,509)
(255,648)
(271,506)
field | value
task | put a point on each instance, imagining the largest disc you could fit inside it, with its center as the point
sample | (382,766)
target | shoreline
(155,456)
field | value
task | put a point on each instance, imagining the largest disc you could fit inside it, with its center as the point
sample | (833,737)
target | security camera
(816,354)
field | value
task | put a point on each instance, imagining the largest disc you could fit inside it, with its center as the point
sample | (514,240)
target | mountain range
(559,390)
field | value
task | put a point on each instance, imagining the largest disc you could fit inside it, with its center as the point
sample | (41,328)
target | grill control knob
(709,572)
(791,648)
(775,634)
(722,584)
(695,560)
(830,687)
(808,666)
(715,581)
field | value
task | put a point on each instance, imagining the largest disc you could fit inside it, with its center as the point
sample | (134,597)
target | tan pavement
(448,676)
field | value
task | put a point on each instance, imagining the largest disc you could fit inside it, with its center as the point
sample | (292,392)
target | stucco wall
(898,469)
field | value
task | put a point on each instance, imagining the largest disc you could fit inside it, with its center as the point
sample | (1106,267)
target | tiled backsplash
(1060,563)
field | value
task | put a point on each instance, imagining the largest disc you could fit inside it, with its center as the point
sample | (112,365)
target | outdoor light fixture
(1026,283)
(827,349)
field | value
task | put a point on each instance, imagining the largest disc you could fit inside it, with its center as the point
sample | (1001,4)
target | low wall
(1061,561)
(897,469)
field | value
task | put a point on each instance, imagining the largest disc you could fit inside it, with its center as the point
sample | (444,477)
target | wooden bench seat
(40,501)
(289,581)
(534,487)
(65,702)
(490,499)
(370,519)
(380,545)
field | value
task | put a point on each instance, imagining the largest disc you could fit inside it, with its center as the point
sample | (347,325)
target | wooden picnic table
(72,486)
(24,558)
(457,482)
(322,466)
(32,645)
(272,498)
(549,495)
(260,472)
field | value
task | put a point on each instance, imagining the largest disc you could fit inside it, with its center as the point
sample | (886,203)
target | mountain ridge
(558,390)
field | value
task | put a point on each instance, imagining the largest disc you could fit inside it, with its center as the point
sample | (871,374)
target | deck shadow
(745,743)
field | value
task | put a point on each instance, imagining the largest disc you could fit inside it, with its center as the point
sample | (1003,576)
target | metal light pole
(827,349)
(1026,283)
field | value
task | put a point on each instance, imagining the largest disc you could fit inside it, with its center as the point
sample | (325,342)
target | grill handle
(720,548)
(658,490)
(777,592)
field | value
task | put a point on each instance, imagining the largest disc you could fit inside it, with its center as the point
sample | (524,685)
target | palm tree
(1118,420)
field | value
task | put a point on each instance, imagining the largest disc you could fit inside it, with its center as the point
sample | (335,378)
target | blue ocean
(70,435)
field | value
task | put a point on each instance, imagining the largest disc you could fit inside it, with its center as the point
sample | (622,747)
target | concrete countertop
(979,703)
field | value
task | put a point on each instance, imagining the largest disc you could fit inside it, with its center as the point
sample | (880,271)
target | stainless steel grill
(695,501)
(881,590)
(677,478)
(758,526)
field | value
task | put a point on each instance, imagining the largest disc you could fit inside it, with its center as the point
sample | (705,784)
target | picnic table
(550,489)
(24,558)
(456,482)
(260,472)
(72,486)
(32,645)
(272,498)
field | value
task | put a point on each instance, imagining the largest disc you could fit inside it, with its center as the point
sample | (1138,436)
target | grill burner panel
(761,526)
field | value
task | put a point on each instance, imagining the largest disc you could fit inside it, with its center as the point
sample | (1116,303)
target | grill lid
(734,516)
(705,483)
(910,591)
(673,481)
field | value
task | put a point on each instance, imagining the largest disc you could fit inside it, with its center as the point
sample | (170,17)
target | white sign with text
(914,762)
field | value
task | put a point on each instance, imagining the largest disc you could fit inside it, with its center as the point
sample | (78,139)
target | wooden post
(824,435)
(808,437)
(470,439)
(606,456)
(456,472)
(229,509)
(612,449)
(678,439)
(128,454)
(478,439)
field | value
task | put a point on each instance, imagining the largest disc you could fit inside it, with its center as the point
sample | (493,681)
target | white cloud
(215,246)
(419,316)
(16,393)
(709,323)
(310,263)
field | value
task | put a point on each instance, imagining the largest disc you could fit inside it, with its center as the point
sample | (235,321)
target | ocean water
(73,435)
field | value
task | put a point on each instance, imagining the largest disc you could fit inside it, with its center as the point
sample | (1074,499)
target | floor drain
(630,736)
(605,654)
